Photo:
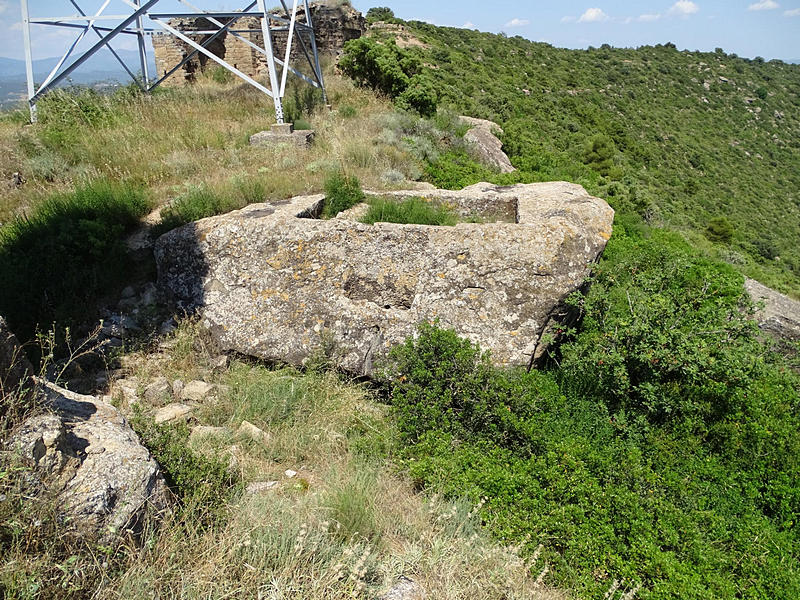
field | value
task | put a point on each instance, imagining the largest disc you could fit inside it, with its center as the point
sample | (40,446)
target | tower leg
(271,67)
(26,37)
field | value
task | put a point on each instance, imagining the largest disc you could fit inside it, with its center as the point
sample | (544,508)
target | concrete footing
(283,133)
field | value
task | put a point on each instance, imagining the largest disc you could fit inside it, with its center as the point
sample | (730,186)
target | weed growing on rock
(413,210)
(341,192)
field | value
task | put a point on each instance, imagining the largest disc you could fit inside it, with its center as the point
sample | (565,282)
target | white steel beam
(133,24)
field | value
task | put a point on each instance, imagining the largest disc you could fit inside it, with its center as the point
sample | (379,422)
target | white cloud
(795,12)
(648,18)
(684,8)
(517,23)
(764,5)
(593,15)
(568,19)
(468,25)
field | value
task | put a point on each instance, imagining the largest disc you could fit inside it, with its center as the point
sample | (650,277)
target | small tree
(380,13)
(719,230)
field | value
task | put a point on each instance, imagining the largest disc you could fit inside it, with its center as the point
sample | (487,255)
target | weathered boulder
(85,453)
(485,145)
(15,370)
(780,316)
(404,589)
(175,411)
(276,283)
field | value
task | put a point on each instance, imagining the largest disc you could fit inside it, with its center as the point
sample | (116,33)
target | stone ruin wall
(333,26)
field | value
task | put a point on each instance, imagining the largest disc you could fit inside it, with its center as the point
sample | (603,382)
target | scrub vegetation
(696,142)
(654,454)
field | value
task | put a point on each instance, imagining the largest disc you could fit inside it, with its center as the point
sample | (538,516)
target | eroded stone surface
(175,411)
(283,288)
(85,452)
(404,589)
(300,138)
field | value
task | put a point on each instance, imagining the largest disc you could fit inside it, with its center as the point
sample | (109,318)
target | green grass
(204,201)
(347,526)
(341,193)
(57,262)
(413,210)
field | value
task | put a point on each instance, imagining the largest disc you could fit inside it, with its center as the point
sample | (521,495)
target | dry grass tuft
(197,135)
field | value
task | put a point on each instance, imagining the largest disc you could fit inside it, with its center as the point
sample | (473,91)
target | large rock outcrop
(485,146)
(84,453)
(780,315)
(276,284)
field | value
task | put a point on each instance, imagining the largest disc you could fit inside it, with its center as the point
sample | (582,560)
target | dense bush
(660,448)
(665,333)
(383,67)
(56,263)
(419,96)
(719,230)
(379,13)
(391,71)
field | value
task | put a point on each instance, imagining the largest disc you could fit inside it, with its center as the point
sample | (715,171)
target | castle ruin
(334,24)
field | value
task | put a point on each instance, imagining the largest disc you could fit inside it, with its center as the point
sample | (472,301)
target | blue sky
(768,28)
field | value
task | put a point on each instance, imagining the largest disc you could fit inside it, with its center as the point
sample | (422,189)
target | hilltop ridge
(684,139)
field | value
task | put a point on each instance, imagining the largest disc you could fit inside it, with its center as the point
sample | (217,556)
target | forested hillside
(706,143)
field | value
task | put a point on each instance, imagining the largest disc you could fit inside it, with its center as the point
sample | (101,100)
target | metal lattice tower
(141,20)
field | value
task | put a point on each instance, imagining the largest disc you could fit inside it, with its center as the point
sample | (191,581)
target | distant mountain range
(100,67)
(103,63)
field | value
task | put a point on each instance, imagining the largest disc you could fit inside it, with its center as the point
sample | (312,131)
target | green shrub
(202,484)
(609,495)
(389,70)
(380,13)
(419,96)
(383,67)
(56,263)
(412,210)
(665,334)
(443,383)
(719,230)
(341,192)
(599,154)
